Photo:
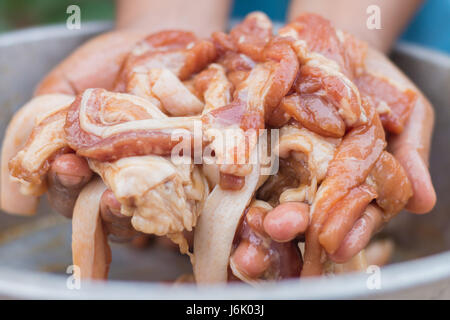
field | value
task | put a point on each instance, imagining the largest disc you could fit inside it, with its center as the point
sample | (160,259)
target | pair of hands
(97,63)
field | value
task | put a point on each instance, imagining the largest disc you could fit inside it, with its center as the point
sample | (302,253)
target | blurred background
(430,27)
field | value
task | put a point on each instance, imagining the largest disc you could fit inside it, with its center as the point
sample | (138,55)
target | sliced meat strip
(317,35)
(315,114)
(16,136)
(394,103)
(108,126)
(354,159)
(256,96)
(326,68)
(391,184)
(320,78)
(217,225)
(46,141)
(90,249)
(252,34)
(179,51)
(160,197)
(215,88)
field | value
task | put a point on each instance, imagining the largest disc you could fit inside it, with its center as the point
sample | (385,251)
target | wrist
(199,16)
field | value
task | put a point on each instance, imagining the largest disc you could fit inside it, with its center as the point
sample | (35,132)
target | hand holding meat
(332,99)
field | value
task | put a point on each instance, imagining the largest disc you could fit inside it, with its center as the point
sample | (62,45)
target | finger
(68,174)
(343,217)
(424,196)
(94,65)
(250,259)
(360,235)
(287,221)
(117,225)
(412,146)
(379,252)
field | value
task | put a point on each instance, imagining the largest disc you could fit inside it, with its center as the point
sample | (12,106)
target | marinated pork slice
(157,65)
(17,133)
(90,249)
(315,114)
(213,85)
(162,198)
(354,159)
(180,52)
(342,56)
(393,102)
(253,99)
(30,163)
(392,185)
(325,74)
(217,225)
(107,126)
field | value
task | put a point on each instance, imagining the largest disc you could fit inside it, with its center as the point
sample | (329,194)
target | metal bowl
(35,252)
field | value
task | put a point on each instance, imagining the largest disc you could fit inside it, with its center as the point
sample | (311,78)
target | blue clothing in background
(430,27)
(275,9)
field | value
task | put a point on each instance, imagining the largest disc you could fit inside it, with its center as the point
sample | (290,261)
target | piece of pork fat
(90,249)
(162,198)
(213,84)
(217,225)
(166,91)
(16,136)
(107,126)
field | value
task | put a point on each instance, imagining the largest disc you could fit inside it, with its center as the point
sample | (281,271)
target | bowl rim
(394,278)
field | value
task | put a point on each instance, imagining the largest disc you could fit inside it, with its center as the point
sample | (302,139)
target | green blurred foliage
(25,13)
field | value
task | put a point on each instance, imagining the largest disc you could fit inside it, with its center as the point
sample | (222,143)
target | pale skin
(138,18)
